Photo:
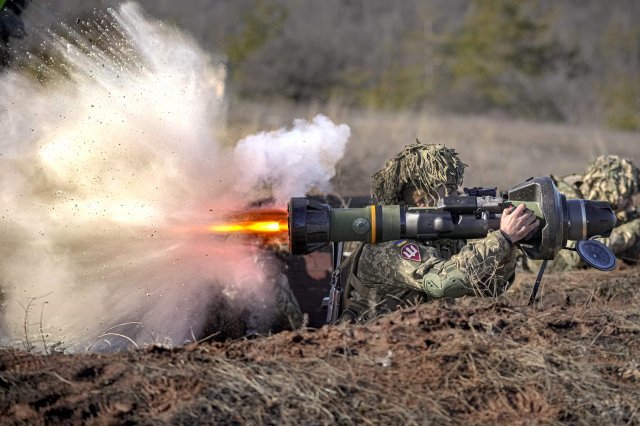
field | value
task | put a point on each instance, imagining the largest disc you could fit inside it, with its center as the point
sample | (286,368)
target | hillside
(572,358)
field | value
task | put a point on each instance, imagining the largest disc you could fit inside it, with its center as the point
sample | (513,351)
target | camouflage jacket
(386,276)
(624,240)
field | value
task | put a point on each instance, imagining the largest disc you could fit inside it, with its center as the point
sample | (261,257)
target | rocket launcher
(313,224)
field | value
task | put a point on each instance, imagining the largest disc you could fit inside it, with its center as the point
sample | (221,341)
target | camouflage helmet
(610,178)
(424,166)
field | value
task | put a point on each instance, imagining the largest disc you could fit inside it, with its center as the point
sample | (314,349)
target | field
(571,358)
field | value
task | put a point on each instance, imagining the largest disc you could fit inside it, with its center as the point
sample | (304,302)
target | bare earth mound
(572,358)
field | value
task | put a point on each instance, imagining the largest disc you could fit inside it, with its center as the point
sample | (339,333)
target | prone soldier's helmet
(610,178)
(425,167)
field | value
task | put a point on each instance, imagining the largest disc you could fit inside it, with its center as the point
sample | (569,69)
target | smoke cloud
(109,173)
(292,161)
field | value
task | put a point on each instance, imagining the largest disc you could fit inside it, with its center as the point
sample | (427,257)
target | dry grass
(572,358)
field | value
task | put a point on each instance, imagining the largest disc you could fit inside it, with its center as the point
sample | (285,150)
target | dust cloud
(109,174)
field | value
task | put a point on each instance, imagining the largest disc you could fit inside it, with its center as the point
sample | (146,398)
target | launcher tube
(370,224)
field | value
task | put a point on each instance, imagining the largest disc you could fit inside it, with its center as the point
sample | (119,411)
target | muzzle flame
(258,222)
(262,227)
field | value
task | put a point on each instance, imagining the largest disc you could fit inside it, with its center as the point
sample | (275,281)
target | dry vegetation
(575,62)
(572,358)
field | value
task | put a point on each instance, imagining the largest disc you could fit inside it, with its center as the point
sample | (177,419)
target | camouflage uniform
(612,179)
(380,278)
(286,314)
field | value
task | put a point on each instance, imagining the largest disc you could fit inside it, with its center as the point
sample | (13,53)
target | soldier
(386,276)
(617,181)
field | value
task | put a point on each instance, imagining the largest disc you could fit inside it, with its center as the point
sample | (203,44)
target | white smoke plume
(290,162)
(109,172)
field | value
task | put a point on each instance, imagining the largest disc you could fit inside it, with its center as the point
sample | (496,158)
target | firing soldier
(617,181)
(384,277)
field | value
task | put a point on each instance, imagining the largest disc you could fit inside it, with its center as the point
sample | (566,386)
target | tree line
(571,61)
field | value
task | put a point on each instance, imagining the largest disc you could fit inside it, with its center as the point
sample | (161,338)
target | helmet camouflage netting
(610,178)
(425,166)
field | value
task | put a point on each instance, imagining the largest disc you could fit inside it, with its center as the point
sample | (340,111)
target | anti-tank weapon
(312,224)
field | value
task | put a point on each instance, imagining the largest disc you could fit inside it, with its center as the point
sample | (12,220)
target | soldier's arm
(485,267)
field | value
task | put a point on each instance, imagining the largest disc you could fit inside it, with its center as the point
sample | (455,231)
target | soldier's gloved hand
(517,223)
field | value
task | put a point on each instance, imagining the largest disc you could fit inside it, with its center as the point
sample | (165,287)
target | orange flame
(257,222)
(261,227)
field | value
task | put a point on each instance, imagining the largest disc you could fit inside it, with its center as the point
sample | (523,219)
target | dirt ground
(573,358)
